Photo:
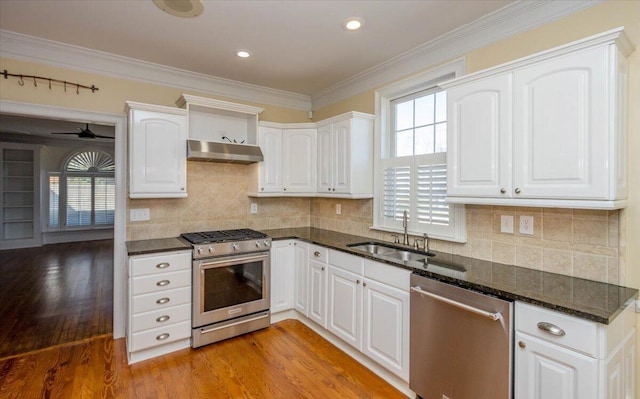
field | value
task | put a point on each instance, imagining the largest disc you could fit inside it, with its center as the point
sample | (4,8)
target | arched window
(82,195)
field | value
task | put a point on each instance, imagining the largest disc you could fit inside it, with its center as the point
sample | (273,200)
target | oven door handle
(203,265)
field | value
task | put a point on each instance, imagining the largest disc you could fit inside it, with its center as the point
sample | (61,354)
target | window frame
(383,144)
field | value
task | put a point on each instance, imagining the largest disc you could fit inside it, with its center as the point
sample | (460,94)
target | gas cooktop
(206,237)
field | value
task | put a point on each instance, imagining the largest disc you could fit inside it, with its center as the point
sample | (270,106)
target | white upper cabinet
(546,130)
(345,156)
(299,160)
(157,151)
(269,174)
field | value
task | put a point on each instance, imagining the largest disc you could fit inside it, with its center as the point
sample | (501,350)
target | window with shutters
(82,195)
(412,165)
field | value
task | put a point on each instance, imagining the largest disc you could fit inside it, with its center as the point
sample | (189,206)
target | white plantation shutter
(397,191)
(431,191)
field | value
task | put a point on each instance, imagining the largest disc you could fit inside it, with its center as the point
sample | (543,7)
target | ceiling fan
(86,133)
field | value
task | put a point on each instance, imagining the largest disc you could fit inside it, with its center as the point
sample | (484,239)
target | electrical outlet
(139,214)
(506,224)
(254,207)
(338,209)
(526,225)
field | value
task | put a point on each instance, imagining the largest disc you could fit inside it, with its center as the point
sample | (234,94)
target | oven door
(228,287)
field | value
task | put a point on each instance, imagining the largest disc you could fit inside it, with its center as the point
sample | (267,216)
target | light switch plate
(254,207)
(506,224)
(338,209)
(139,214)
(526,225)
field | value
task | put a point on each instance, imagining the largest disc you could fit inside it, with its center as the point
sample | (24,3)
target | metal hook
(35,83)
(20,81)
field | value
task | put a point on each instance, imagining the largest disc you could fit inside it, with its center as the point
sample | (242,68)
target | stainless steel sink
(390,252)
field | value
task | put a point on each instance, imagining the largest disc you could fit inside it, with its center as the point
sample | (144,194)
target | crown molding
(33,49)
(510,20)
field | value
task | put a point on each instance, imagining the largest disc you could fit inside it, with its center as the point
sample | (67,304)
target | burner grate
(204,237)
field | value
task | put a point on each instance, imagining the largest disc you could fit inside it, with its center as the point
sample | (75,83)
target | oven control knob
(258,244)
(211,250)
(235,247)
(200,250)
(266,243)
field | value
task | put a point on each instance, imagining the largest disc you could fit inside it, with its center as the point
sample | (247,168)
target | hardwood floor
(286,360)
(55,294)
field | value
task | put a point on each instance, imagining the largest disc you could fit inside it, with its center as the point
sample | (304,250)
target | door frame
(119,121)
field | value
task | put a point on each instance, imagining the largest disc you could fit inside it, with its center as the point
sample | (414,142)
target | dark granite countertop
(591,300)
(142,247)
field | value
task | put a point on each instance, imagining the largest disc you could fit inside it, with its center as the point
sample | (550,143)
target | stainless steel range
(230,284)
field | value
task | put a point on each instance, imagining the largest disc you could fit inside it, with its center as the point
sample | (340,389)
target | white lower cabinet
(317,279)
(563,357)
(345,306)
(159,311)
(301,272)
(282,275)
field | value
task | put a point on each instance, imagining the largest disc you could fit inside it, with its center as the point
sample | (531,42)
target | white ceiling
(297,46)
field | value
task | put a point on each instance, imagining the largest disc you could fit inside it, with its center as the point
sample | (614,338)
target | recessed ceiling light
(353,23)
(243,54)
(181,8)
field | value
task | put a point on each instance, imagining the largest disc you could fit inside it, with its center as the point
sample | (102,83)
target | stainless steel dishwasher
(461,342)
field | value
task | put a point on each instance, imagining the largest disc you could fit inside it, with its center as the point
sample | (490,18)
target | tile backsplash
(575,242)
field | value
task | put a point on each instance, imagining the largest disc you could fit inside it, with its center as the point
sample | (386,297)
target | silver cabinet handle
(162,301)
(493,316)
(316,254)
(517,191)
(551,329)
(182,188)
(364,283)
(503,190)
(162,319)
(329,189)
(162,283)
(357,281)
(322,268)
(162,337)
(162,265)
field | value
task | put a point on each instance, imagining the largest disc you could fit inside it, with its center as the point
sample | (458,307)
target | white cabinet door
(270,141)
(301,292)
(318,292)
(479,138)
(386,327)
(325,158)
(547,371)
(344,314)
(299,161)
(282,275)
(157,155)
(562,120)
(342,158)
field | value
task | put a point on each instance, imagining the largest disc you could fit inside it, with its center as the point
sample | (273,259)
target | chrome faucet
(405,236)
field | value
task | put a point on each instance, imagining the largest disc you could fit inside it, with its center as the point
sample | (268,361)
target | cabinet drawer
(319,254)
(158,263)
(161,317)
(387,274)
(580,335)
(160,336)
(160,282)
(160,300)
(346,261)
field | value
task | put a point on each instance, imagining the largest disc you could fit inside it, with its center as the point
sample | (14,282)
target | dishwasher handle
(493,316)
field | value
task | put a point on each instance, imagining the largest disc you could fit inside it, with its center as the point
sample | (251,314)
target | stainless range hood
(211,151)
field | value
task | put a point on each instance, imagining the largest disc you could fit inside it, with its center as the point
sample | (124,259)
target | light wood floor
(55,294)
(286,360)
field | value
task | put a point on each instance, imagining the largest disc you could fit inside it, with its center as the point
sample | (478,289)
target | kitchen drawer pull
(551,329)
(162,337)
(502,191)
(162,283)
(162,319)
(162,265)
(162,301)
(517,191)
(316,254)
(493,316)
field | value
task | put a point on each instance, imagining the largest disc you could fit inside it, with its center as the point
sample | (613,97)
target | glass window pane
(78,201)
(424,110)
(105,200)
(441,137)
(404,143)
(54,200)
(424,140)
(404,115)
(441,106)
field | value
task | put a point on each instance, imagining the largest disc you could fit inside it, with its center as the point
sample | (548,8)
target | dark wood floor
(286,360)
(55,294)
